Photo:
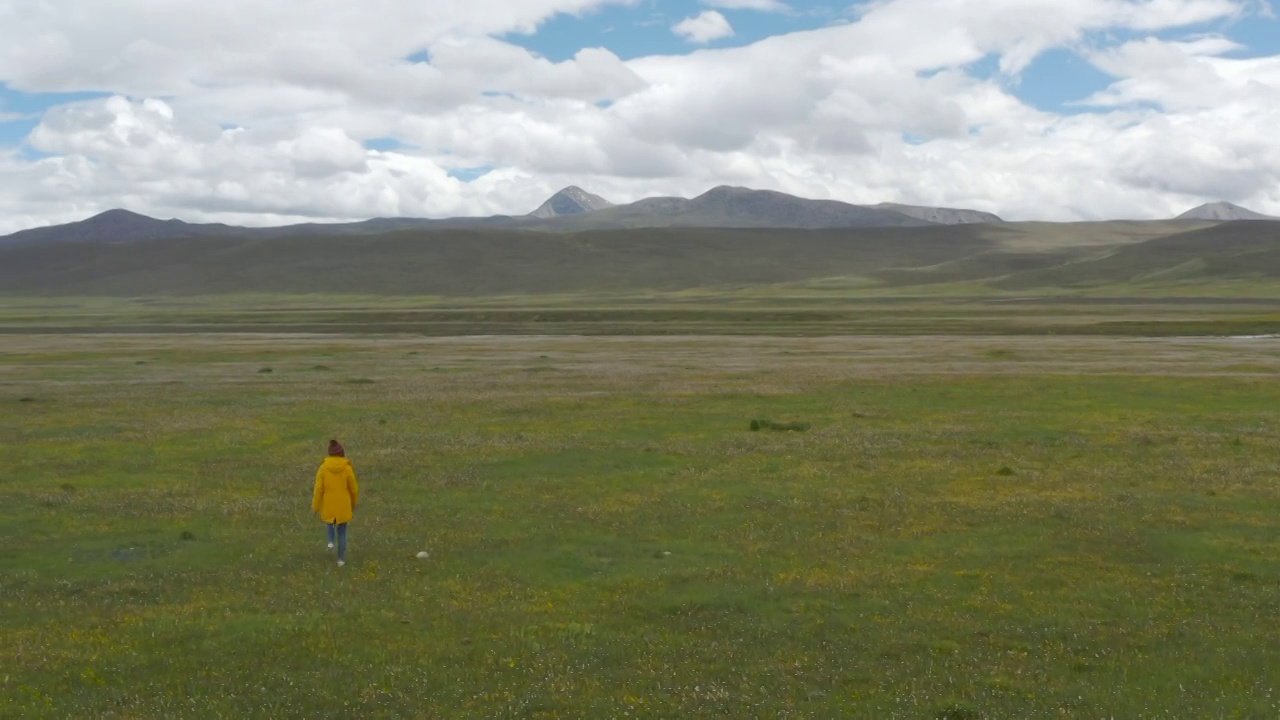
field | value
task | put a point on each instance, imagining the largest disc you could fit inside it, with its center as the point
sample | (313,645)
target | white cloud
(261,126)
(1183,76)
(145,48)
(704,27)
(761,5)
(165,169)
(928,31)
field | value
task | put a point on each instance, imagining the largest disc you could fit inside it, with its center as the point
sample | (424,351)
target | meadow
(960,526)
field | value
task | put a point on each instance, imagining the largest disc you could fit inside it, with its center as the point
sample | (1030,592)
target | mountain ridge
(573,209)
(572,200)
(943,215)
(459,262)
(1223,211)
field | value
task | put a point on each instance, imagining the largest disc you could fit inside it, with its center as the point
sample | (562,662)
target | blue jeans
(341,531)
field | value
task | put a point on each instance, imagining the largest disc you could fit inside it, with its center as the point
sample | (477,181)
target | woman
(335,496)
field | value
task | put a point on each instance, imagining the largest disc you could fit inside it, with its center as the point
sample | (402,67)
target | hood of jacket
(335,464)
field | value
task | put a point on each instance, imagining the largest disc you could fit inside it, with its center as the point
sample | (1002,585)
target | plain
(971,527)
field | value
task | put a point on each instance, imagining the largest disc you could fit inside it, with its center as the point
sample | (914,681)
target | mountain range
(1035,258)
(570,210)
(579,242)
(576,210)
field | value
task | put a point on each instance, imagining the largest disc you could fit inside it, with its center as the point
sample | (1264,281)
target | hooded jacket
(336,490)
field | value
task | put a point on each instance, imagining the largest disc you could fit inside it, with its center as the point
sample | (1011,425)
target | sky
(263,113)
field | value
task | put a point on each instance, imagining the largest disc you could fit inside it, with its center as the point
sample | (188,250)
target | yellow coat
(336,490)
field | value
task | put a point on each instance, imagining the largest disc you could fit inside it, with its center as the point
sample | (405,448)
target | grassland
(972,526)
(805,309)
(1042,259)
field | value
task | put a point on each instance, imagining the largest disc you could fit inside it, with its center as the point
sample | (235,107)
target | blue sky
(645,28)
(1057,79)
(265,112)
(20,112)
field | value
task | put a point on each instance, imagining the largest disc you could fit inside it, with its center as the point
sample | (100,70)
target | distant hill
(569,210)
(942,216)
(117,226)
(734,206)
(1223,211)
(572,200)
(468,262)
(498,261)
(1228,251)
(573,210)
(737,207)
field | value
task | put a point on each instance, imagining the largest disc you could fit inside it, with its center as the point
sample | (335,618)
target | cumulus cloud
(939,31)
(312,171)
(1184,76)
(260,126)
(761,5)
(704,27)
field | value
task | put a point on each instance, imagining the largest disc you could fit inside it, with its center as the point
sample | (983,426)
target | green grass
(970,528)
(782,310)
(1150,258)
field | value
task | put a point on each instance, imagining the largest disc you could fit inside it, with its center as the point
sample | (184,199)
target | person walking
(335,496)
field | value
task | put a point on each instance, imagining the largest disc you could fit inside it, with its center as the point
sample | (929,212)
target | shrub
(757,425)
